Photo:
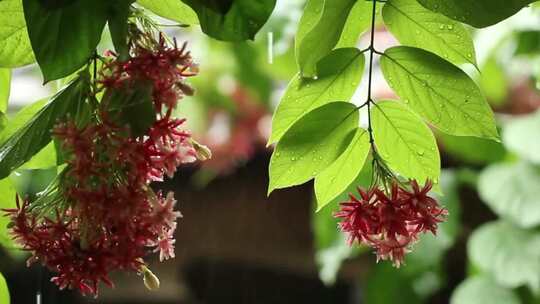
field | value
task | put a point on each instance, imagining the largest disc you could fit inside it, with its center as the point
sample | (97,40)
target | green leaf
(482,290)
(478,13)
(439,92)
(5,88)
(240,22)
(171,9)
(517,137)
(15,49)
(65,39)
(528,42)
(494,82)
(312,144)
(511,255)
(118,26)
(8,201)
(339,75)
(132,107)
(336,178)
(34,135)
(414,25)
(21,118)
(4,290)
(323,35)
(472,150)
(357,23)
(405,142)
(512,191)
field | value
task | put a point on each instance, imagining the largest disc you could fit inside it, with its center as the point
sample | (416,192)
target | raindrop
(450,27)
(441,27)
(420,152)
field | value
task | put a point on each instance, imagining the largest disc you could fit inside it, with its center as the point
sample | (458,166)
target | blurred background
(236,245)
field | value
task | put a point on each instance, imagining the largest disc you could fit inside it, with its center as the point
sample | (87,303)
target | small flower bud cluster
(390,222)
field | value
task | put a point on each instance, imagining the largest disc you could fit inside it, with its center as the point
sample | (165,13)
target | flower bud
(151,281)
(203,152)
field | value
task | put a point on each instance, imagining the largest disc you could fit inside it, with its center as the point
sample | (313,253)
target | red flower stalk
(390,223)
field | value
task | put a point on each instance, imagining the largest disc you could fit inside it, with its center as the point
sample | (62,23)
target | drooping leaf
(132,107)
(172,10)
(512,191)
(405,142)
(312,144)
(511,255)
(4,290)
(36,133)
(483,290)
(358,21)
(15,48)
(414,25)
(478,13)
(323,35)
(336,178)
(118,26)
(439,92)
(65,39)
(240,22)
(5,88)
(339,75)
(517,137)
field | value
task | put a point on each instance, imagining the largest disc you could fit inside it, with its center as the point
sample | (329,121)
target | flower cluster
(110,218)
(390,222)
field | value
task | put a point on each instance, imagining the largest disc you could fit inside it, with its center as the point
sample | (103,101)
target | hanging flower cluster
(112,219)
(390,222)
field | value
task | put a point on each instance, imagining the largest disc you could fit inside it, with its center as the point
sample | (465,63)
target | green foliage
(4,291)
(118,26)
(241,21)
(478,13)
(5,87)
(64,39)
(472,150)
(307,149)
(396,286)
(8,201)
(339,75)
(336,178)
(132,107)
(511,255)
(494,82)
(35,134)
(511,191)
(323,22)
(15,49)
(516,137)
(357,23)
(413,25)
(440,92)
(528,43)
(171,9)
(405,142)
(482,290)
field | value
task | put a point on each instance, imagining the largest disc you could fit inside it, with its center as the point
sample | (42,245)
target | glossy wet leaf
(8,201)
(172,10)
(241,21)
(414,25)
(483,290)
(28,140)
(358,22)
(512,191)
(339,75)
(336,178)
(65,39)
(517,137)
(509,254)
(312,144)
(438,91)
(15,48)
(478,13)
(5,88)
(4,290)
(405,142)
(326,24)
